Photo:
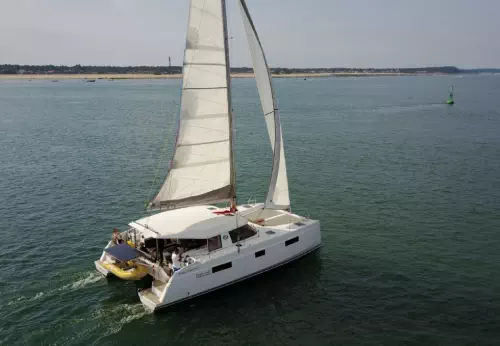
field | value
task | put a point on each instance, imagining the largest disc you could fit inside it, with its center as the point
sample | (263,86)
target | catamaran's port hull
(101,269)
(279,249)
(98,264)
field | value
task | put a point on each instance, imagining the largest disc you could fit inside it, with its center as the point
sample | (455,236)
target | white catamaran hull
(263,254)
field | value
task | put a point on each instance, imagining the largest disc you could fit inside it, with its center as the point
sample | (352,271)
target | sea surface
(407,190)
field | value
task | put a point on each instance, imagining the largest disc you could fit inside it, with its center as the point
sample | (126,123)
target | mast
(229,105)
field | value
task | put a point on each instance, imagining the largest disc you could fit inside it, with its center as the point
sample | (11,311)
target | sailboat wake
(83,280)
(116,317)
(87,279)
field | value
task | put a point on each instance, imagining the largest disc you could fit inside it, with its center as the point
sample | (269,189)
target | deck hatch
(242,233)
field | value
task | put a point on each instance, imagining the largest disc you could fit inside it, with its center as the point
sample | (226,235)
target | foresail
(278,195)
(202,169)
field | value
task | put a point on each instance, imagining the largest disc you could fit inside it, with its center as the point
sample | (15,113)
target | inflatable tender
(124,266)
(130,270)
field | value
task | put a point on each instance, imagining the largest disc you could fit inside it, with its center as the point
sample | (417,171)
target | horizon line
(249,67)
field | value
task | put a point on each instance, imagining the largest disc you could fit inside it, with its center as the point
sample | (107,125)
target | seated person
(116,237)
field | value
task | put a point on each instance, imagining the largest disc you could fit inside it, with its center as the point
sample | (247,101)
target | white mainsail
(278,195)
(202,169)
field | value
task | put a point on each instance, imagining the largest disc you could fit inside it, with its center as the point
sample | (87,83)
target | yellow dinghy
(125,266)
(129,270)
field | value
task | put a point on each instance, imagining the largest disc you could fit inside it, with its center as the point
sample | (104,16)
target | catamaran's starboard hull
(281,248)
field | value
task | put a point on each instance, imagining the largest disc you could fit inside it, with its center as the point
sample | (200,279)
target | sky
(294,33)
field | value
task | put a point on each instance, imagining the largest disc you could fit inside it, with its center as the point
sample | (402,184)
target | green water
(407,190)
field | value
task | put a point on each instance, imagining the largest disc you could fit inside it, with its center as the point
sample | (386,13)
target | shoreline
(111,76)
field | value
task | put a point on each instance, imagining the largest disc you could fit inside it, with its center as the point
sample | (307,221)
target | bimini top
(122,252)
(199,222)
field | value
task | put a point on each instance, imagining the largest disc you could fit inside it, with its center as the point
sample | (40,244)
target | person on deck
(233,208)
(116,237)
(176,260)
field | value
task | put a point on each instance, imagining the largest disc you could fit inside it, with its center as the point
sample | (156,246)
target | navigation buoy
(450,100)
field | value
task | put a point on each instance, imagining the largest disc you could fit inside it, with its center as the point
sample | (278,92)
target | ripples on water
(407,190)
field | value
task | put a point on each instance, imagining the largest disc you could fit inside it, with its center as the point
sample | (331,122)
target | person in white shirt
(176,260)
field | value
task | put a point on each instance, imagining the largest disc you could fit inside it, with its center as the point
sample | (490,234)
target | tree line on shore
(159,70)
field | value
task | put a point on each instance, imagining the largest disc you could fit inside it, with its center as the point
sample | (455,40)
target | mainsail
(278,195)
(202,168)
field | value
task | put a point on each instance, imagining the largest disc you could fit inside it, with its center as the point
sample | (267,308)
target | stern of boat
(101,269)
(99,263)
(152,297)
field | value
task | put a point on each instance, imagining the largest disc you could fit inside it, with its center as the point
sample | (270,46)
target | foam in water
(87,279)
(119,315)
(24,298)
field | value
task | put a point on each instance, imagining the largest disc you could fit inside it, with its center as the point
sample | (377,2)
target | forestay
(202,168)
(278,196)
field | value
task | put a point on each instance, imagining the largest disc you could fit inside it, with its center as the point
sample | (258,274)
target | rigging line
(271,112)
(163,155)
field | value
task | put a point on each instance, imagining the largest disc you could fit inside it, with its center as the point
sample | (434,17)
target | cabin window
(242,233)
(291,241)
(214,243)
(222,267)
(260,253)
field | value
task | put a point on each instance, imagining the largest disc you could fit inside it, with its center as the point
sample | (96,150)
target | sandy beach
(176,76)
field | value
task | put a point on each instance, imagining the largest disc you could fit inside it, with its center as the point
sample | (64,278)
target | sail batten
(202,168)
(278,195)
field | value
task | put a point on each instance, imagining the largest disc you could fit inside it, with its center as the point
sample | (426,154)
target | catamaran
(187,243)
